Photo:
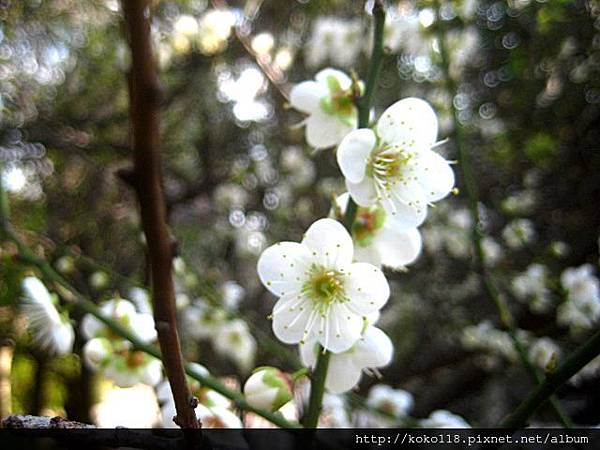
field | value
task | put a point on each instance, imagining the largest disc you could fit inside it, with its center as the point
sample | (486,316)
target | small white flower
(323,294)
(233,339)
(233,294)
(329,103)
(268,388)
(396,402)
(394,165)
(123,311)
(378,241)
(201,322)
(518,233)
(335,412)
(532,286)
(373,350)
(581,310)
(116,361)
(334,40)
(542,351)
(444,419)
(51,331)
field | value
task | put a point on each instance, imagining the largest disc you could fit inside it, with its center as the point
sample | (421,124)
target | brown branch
(144,95)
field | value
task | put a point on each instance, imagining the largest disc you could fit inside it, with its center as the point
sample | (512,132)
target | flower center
(324,287)
(134,359)
(387,165)
(368,221)
(339,102)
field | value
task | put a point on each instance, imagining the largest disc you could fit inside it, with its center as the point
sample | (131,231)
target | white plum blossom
(52,330)
(268,388)
(581,310)
(532,286)
(233,339)
(233,294)
(335,40)
(335,413)
(123,311)
(378,241)
(372,351)
(394,164)
(518,233)
(542,351)
(396,402)
(323,295)
(444,419)
(329,103)
(118,362)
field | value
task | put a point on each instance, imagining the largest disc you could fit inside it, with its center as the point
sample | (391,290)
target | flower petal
(368,254)
(375,349)
(290,319)
(363,193)
(306,96)
(434,174)
(343,80)
(343,374)
(405,205)
(397,247)
(353,153)
(410,121)
(340,330)
(308,354)
(324,130)
(281,266)
(366,287)
(329,243)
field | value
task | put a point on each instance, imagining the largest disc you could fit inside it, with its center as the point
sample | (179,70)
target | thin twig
(579,359)
(471,189)
(145,119)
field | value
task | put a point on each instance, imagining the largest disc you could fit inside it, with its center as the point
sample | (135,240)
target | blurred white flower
(99,280)
(233,294)
(492,251)
(268,388)
(116,361)
(335,412)
(542,351)
(394,165)
(323,294)
(373,350)
(51,329)
(335,40)
(485,337)
(396,402)
(378,241)
(581,310)
(444,419)
(200,321)
(214,29)
(123,311)
(518,233)
(329,103)
(233,340)
(532,286)
(141,299)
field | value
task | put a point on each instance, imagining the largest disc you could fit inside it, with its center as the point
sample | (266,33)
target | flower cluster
(581,310)
(330,285)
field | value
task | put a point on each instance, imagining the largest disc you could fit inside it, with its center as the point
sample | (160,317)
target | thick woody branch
(145,121)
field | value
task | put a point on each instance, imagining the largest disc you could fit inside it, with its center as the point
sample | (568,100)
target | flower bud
(268,388)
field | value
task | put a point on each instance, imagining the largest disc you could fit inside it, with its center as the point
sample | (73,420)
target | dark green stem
(317,389)
(582,356)
(471,190)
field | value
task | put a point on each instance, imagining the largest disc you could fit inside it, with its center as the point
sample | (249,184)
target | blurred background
(238,176)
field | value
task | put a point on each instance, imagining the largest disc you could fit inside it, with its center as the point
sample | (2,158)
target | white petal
(410,121)
(324,130)
(63,337)
(406,206)
(342,375)
(143,326)
(35,290)
(434,174)
(368,254)
(375,349)
(353,153)
(306,96)
(152,372)
(290,319)
(344,80)
(90,326)
(340,330)
(366,287)
(281,267)
(308,354)
(363,193)
(396,247)
(329,243)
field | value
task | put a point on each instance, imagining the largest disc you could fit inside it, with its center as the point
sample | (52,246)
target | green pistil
(387,164)
(339,102)
(368,221)
(324,287)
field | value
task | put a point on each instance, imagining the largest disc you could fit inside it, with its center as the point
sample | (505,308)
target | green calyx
(339,102)
(368,221)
